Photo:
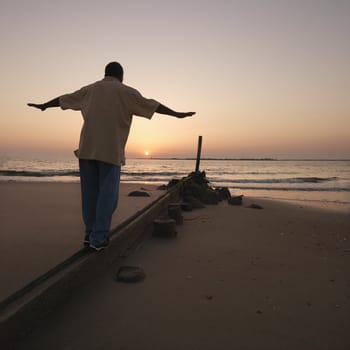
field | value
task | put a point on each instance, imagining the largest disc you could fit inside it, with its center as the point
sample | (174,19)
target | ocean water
(308,180)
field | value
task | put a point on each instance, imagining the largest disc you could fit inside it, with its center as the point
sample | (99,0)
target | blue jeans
(99,192)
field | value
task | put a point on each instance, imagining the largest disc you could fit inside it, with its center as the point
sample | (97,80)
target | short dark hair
(114,69)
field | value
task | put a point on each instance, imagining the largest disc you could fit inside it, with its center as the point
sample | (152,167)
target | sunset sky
(267,78)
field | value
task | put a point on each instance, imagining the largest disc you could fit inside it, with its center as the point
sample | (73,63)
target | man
(107,107)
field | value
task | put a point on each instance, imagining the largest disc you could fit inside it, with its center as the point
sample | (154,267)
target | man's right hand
(165,110)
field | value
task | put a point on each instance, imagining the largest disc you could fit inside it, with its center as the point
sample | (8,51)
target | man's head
(114,69)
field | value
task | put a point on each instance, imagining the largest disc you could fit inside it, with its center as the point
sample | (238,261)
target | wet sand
(41,226)
(234,278)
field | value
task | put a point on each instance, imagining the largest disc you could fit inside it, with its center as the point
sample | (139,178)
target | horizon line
(245,158)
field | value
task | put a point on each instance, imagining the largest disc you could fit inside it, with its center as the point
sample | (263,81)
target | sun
(147,153)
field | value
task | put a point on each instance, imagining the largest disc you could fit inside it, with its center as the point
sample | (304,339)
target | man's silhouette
(107,107)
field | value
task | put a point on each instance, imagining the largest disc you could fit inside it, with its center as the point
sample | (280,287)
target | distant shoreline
(244,159)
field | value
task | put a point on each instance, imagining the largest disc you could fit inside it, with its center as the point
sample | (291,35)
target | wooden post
(199,149)
(175,212)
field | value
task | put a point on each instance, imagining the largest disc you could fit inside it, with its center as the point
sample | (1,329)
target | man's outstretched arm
(165,110)
(53,103)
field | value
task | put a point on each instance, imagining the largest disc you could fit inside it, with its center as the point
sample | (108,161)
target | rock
(199,177)
(209,196)
(185,206)
(191,188)
(255,206)
(173,183)
(164,228)
(139,194)
(162,187)
(237,200)
(130,274)
(223,193)
(196,203)
(197,186)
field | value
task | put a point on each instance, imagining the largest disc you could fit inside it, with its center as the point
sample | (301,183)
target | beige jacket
(107,107)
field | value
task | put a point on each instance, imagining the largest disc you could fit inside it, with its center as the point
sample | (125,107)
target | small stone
(209,297)
(255,206)
(139,194)
(259,312)
(130,274)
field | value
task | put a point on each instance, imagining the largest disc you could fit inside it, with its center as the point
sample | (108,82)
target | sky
(266,78)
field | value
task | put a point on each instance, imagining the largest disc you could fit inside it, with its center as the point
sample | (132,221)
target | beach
(41,226)
(234,277)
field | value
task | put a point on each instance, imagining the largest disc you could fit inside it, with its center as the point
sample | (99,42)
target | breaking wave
(47,173)
(162,175)
(292,180)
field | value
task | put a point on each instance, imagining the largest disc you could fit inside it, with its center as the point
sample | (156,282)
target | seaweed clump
(195,189)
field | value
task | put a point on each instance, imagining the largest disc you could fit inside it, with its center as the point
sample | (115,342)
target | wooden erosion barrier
(20,312)
(166,226)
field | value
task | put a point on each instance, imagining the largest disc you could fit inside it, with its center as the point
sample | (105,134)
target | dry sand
(234,278)
(41,226)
